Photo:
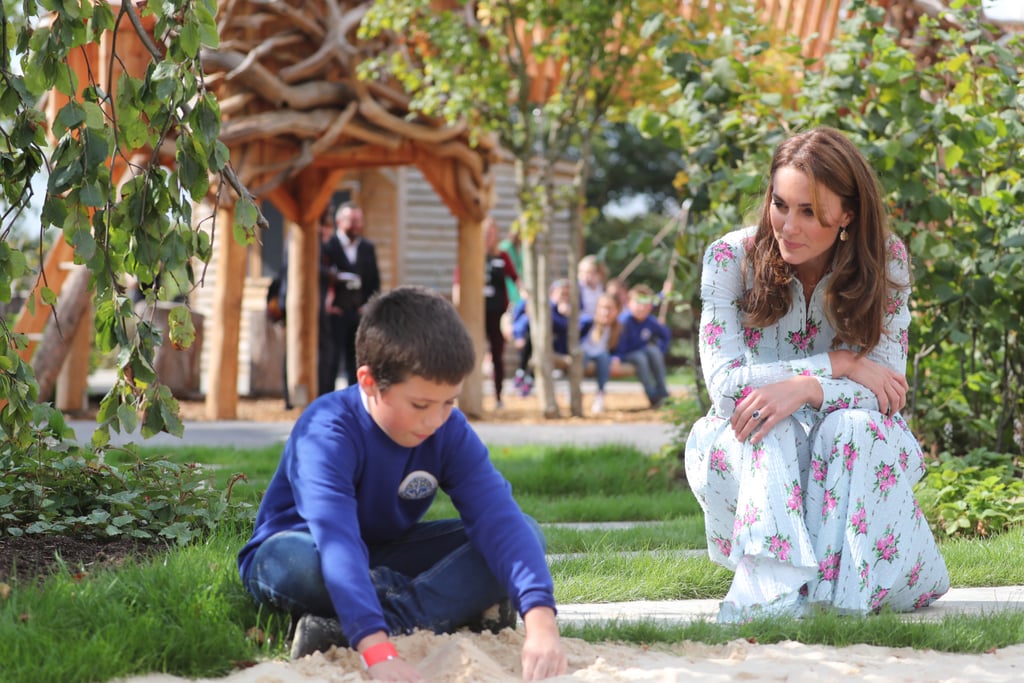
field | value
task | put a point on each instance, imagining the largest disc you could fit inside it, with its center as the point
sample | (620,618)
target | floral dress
(822,509)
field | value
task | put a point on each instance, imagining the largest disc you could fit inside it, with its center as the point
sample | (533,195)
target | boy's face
(640,306)
(410,411)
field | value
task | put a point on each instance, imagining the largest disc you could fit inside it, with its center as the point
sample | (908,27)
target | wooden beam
(222,392)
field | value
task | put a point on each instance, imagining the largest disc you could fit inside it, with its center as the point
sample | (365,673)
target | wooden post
(222,392)
(302,306)
(73,380)
(471,309)
(56,343)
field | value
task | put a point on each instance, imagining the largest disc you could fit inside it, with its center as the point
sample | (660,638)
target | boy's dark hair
(413,331)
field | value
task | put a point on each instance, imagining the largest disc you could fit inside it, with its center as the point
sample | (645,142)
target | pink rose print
(892,304)
(722,254)
(819,470)
(915,574)
(828,568)
(904,459)
(841,403)
(898,251)
(904,341)
(878,597)
(886,547)
(802,341)
(719,463)
(712,333)
(747,519)
(918,513)
(859,520)
(876,433)
(865,572)
(724,545)
(850,455)
(795,501)
(779,546)
(925,599)
(829,503)
(752,338)
(756,457)
(885,479)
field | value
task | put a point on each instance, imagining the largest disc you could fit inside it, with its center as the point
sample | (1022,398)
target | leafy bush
(978,494)
(55,486)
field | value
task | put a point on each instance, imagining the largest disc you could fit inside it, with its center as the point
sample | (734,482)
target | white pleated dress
(822,510)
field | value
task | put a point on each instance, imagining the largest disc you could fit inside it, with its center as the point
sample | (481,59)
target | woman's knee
(847,419)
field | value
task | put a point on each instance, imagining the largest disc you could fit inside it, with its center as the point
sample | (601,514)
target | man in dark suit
(354,277)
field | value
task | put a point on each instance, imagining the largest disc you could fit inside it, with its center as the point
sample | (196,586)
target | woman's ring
(756,415)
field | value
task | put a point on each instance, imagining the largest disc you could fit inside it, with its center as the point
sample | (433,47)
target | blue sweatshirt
(339,479)
(636,334)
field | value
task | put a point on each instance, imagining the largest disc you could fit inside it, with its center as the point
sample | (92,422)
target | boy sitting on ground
(339,542)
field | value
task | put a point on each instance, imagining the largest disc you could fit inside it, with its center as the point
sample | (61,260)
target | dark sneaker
(498,616)
(316,634)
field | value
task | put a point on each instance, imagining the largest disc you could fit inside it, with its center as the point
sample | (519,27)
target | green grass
(186,613)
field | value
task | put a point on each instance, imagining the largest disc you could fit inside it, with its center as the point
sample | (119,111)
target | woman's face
(805,239)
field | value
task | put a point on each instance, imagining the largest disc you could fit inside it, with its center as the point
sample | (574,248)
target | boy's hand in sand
(391,668)
(396,670)
(543,654)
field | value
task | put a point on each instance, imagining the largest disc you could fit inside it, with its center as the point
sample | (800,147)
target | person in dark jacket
(349,265)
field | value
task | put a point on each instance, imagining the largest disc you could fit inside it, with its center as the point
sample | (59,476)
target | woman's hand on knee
(767,406)
(889,386)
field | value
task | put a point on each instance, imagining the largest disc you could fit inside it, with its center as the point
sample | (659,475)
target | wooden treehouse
(302,129)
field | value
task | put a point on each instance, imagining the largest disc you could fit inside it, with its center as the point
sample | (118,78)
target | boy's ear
(365,378)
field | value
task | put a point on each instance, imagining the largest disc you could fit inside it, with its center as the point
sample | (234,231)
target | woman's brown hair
(855,300)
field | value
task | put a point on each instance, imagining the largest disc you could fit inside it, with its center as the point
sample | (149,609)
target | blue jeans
(431,578)
(602,367)
(650,369)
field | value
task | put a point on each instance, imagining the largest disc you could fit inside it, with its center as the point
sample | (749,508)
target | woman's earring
(843,235)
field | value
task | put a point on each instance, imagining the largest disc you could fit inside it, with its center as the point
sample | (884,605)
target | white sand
(486,658)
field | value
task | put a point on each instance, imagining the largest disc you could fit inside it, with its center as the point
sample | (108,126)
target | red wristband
(381,652)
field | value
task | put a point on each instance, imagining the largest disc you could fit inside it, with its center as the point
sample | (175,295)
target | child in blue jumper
(339,541)
(644,342)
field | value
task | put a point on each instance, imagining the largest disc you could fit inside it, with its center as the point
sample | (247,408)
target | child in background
(590,275)
(339,541)
(618,288)
(524,347)
(598,338)
(644,342)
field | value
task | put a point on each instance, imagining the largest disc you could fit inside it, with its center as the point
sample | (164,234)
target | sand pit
(486,658)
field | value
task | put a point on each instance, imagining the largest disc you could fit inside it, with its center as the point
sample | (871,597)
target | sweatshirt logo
(417,485)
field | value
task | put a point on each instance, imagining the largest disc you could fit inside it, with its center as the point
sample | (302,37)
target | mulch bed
(33,557)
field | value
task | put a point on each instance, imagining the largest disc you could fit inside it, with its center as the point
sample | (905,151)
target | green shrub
(978,494)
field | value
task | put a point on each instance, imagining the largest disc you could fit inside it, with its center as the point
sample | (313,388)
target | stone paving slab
(975,601)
